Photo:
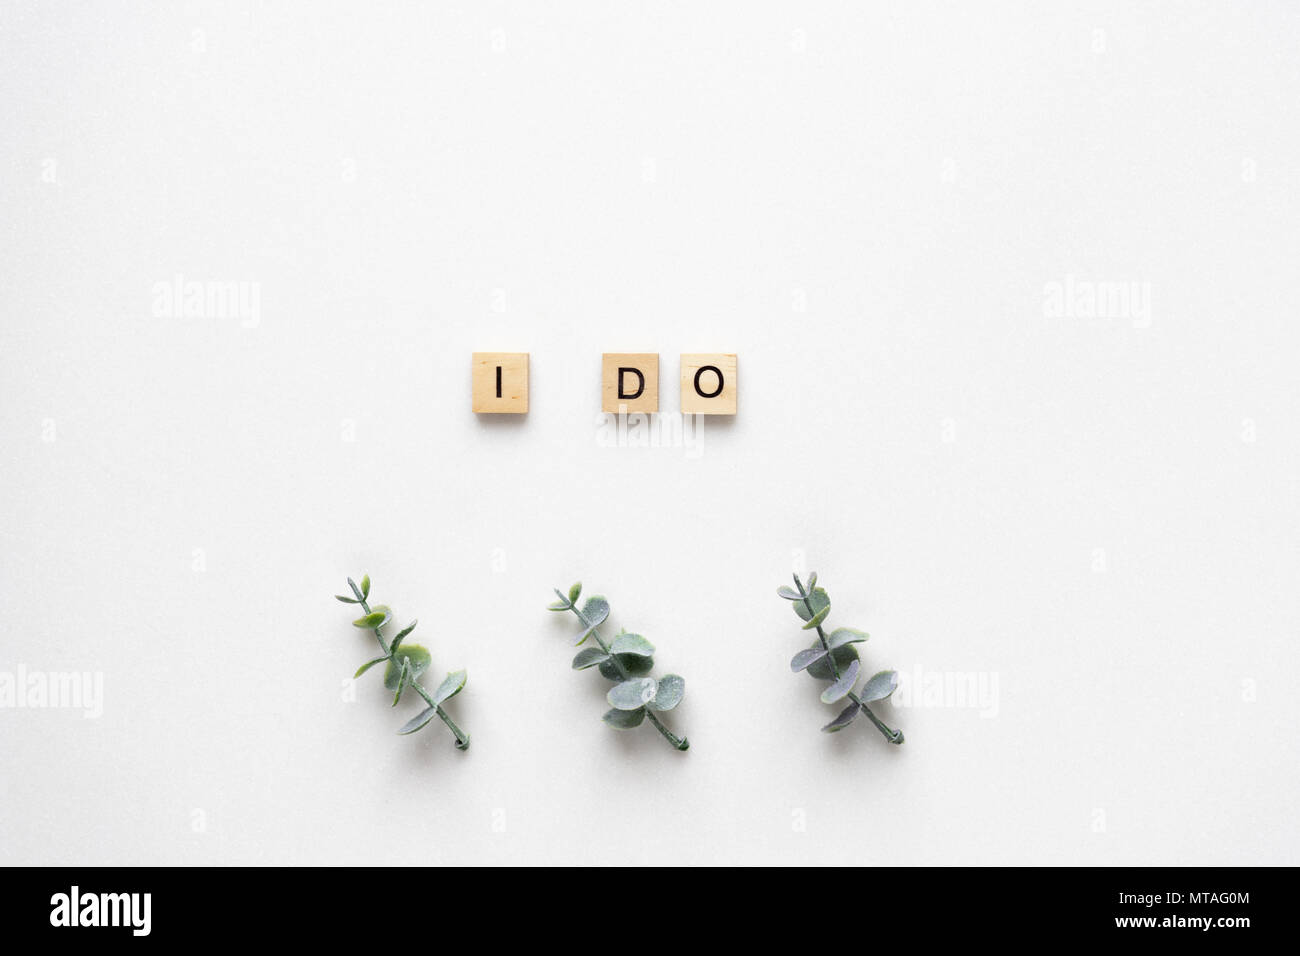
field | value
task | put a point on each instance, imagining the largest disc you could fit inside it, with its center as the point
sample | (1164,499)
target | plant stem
(462,738)
(681,743)
(893,736)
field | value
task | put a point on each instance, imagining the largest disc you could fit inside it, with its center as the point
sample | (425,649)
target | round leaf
(574,592)
(806,658)
(669,694)
(370,621)
(817,599)
(843,657)
(845,718)
(817,618)
(418,661)
(841,688)
(633,644)
(846,635)
(624,719)
(632,694)
(633,666)
(880,686)
(451,685)
(595,611)
(419,720)
(589,657)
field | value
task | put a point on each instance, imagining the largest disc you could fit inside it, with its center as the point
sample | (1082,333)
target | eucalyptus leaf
(789,593)
(669,693)
(345,600)
(371,621)
(846,717)
(403,678)
(367,665)
(574,592)
(846,635)
(415,657)
(365,586)
(632,694)
(451,685)
(818,599)
(397,641)
(880,686)
(806,658)
(842,656)
(817,618)
(812,582)
(595,611)
(633,666)
(624,719)
(419,720)
(589,657)
(558,606)
(842,687)
(633,644)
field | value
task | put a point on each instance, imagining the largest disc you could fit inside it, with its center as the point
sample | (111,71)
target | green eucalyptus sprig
(405,663)
(627,661)
(835,659)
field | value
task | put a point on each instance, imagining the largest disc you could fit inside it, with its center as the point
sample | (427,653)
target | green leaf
(402,679)
(589,657)
(812,582)
(595,611)
(842,687)
(575,592)
(789,593)
(451,685)
(419,720)
(370,621)
(557,606)
(419,663)
(807,658)
(843,657)
(880,686)
(817,598)
(669,694)
(624,719)
(846,635)
(633,665)
(633,644)
(846,717)
(817,618)
(367,665)
(632,694)
(365,586)
(345,600)
(397,641)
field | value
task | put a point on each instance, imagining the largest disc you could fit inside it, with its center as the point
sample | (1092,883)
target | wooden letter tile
(708,384)
(500,382)
(629,382)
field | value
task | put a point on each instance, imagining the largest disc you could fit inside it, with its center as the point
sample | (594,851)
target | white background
(867,205)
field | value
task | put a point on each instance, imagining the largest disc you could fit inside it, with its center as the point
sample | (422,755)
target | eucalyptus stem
(805,597)
(635,696)
(681,743)
(412,680)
